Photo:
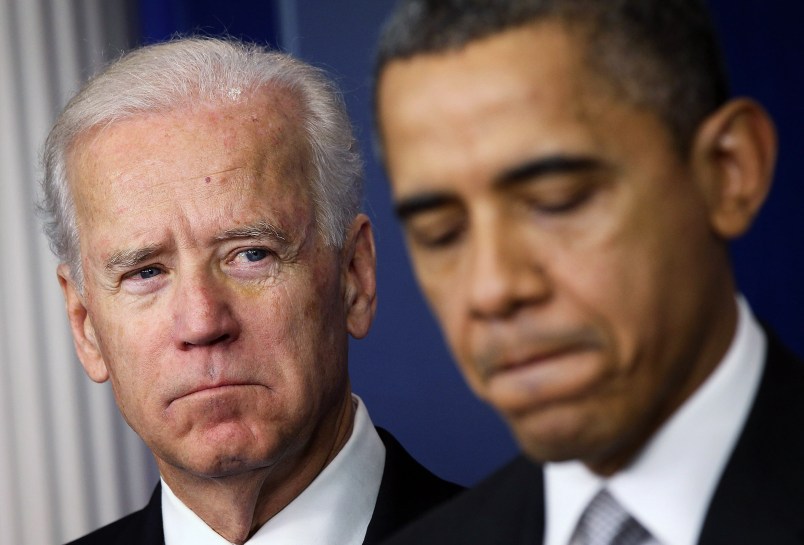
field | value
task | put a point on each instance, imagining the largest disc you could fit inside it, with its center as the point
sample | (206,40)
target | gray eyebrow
(126,259)
(260,229)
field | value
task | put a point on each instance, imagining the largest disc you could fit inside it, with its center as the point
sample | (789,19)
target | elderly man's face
(211,301)
(564,246)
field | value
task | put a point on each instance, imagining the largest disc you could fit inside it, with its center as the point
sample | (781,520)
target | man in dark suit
(203,197)
(569,174)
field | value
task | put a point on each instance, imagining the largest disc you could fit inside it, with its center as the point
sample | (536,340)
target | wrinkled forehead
(260,131)
(247,161)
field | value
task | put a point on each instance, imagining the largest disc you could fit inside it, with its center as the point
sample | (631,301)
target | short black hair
(659,54)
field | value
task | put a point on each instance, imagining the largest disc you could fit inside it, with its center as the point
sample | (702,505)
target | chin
(221,454)
(223,464)
(555,437)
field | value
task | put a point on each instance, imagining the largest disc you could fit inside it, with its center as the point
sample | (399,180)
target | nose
(203,314)
(506,273)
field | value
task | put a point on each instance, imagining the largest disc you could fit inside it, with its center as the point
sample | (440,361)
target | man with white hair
(203,197)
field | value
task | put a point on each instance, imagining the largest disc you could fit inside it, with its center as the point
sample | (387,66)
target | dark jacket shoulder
(143,527)
(505,508)
(760,497)
(407,491)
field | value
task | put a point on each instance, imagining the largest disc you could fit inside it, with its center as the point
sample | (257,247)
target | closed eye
(437,238)
(436,228)
(561,203)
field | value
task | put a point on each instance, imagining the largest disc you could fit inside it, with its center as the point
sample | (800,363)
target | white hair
(168,76)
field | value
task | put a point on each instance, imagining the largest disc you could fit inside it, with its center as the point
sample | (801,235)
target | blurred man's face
(561,241)
(216,309)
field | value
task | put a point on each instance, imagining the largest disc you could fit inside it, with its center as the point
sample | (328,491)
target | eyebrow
(410,206)
(259,230)
(126,259)
(527,172)
(555,164)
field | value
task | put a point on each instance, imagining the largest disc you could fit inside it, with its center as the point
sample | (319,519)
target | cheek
(298,320)
(442,301)
(442,284)
(132,347)
(452,314)
(310,333)
(608,271)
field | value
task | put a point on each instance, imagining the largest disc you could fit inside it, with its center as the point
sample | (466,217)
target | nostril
(222,339)
(226,337)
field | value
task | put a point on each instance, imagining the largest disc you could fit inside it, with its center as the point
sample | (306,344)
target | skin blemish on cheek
(207,179)
(250,291)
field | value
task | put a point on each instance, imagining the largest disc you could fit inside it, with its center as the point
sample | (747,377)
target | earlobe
(86,344)
(360,282)
(734,154)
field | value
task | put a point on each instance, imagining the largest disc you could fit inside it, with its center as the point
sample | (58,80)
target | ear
(359,265)
(734,154)
(86,344)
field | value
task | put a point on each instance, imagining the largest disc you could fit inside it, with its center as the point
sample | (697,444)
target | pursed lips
(498,360)
(209,387)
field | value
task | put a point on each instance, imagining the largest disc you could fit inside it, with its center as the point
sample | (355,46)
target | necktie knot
(605,522)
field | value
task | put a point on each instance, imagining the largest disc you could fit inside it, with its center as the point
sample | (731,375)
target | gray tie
(605,522)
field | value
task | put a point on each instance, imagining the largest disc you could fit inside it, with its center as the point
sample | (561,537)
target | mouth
(541,377)
(211,390)
(216,387)
(498,359)
(535,358)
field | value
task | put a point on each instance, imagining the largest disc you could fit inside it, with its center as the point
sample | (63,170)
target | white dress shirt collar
(669,485)
(335,508)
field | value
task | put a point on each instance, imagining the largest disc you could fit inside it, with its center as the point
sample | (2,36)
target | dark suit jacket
(407,490)
(759,499)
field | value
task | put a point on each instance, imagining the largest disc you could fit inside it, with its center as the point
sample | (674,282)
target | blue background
(403,370)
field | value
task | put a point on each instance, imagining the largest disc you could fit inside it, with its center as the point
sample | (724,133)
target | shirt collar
(669,485)
(335,508)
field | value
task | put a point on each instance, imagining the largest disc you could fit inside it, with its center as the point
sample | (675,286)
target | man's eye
(434,230)
(564,204)
(254,254)
(559,196)
(434,240)
(145,274)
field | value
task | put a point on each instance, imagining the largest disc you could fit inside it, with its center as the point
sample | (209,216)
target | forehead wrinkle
(236,174)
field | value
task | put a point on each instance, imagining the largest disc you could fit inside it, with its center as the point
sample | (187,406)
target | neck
(236,506)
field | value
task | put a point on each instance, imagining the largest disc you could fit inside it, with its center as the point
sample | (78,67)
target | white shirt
(335,509)
(668,487)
